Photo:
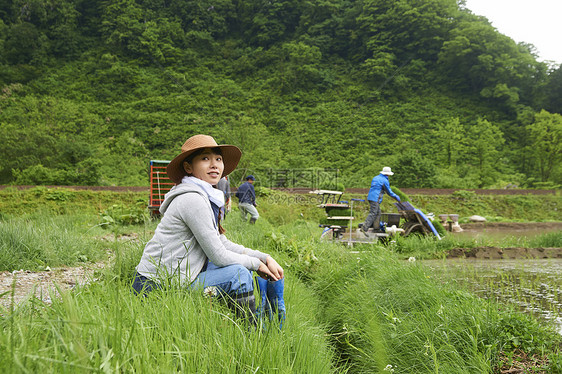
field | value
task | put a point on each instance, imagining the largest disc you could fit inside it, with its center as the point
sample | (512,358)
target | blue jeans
(215,281)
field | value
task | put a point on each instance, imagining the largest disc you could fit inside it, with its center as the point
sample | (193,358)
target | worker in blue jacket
(246,195)
(379,186)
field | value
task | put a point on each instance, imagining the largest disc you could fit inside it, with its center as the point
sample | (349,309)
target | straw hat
(386,171)
(230,154)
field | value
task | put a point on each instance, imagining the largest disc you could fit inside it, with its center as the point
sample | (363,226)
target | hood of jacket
(180,189)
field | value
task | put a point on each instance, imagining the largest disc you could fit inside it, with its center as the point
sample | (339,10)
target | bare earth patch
(519,362)
(21,285)
(18,286)
(512,226)
(497,253)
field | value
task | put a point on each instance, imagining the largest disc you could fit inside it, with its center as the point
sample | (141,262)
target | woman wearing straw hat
(188,248)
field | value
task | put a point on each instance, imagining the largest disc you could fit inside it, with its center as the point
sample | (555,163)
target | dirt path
(20,285)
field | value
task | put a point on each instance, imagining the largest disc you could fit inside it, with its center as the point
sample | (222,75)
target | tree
(23,41)
(404,27)
(298,67)
(414,170)
(554,91)
(477,58)
(264,22)
(483,145)
(546,143)
(321,25)
(449,142)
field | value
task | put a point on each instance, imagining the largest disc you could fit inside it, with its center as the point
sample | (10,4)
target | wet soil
(496,253)
(512,226)
(522,362)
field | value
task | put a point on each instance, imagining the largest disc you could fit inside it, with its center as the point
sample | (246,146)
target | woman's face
(207,166)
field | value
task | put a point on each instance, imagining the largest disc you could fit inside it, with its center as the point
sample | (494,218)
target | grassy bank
(347,312)
(58,201)
(517,208)
(39,241)
(280,207)
(43,227)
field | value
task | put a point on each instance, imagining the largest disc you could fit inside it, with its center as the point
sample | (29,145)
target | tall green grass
(364,312)
(58,201)
(386,313)
(45,240)
(382,311)
(105,328)
(429,246)
(551,239)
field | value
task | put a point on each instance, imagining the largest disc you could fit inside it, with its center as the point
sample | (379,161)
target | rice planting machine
(338,223)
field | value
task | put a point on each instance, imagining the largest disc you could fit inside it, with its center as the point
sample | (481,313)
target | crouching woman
(189,248)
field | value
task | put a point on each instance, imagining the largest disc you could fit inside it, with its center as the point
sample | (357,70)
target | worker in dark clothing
(379,186)
(247,199)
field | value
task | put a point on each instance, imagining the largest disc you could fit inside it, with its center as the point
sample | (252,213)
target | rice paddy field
(373,309)
(533,285)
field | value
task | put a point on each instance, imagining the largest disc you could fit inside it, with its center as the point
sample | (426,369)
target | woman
(188,248)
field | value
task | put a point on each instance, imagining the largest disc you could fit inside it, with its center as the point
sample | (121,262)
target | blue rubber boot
(275,297)
(264,309)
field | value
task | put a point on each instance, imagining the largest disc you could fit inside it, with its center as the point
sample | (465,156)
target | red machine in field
(160,184)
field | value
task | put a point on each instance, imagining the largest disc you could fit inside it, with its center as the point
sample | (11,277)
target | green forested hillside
(92,90)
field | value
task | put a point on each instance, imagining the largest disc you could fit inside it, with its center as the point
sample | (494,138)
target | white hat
(386,171)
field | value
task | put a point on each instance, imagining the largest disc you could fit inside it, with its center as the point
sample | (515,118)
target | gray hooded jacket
(186,236)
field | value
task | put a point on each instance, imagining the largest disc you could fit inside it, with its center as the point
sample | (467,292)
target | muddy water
(534,286)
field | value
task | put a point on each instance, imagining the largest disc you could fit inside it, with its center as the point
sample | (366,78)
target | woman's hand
(274,268)
(265,273)
(270,271)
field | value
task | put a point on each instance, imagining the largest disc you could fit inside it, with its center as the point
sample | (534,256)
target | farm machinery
(338,223)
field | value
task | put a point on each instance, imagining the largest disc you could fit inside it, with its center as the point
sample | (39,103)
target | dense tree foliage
(92,90)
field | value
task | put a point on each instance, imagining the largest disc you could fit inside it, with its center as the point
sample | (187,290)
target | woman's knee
(242,280)
(231,279)
(142,285)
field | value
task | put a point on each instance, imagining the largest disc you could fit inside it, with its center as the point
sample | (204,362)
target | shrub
(120,214)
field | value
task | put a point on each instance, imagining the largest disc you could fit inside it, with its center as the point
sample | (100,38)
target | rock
(477,219)
(455,227)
